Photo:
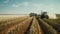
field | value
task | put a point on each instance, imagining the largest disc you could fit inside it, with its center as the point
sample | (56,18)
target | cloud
(16,5)
(20,4)
(44,7)
(34,7)
(6,1)
(51,8)
(25,3)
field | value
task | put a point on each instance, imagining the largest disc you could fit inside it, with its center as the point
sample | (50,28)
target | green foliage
(58,16)
(48,29)
(33,29)
(55,23)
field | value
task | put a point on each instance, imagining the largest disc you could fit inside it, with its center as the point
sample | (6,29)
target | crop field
(23,24)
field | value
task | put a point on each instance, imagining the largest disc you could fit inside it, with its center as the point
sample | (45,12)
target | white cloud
(6,1)
(20,4)
(51,8)
(25,3)
(16,5)
(34,7)
(37,5)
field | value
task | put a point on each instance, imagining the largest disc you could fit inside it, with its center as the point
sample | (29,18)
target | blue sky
(28,6)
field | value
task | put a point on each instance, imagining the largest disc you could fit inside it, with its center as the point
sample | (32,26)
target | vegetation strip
(54,23)
(28,29)
(47,28)
(21,28)
(35,28)
(12,25)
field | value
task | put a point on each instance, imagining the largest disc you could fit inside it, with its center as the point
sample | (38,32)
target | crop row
(7,26)
(48,29)
(54,23)
(4,21)
(22,27)
(35,28)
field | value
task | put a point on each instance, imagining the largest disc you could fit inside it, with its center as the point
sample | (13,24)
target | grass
(21,28)
(49,26)
(55,23)
(35,28)
(5,26)
(48,29)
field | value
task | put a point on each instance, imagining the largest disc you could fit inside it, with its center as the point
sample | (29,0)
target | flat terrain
(23,24)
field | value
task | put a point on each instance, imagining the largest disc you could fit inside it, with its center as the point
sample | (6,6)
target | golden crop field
(23,24)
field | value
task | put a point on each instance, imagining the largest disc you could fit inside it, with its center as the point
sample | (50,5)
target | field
(23,24)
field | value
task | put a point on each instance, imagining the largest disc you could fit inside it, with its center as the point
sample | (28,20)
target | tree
(44,15)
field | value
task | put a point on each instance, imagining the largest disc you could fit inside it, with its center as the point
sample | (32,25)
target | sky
(29,6)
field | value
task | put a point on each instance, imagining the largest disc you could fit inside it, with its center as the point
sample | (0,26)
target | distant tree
(44,15)
(32,14)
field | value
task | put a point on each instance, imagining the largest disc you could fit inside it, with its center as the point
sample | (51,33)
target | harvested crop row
(10,25)
(11,21)
(8,19)
(22,27)
(47,28)
(35,28)
(2,22)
